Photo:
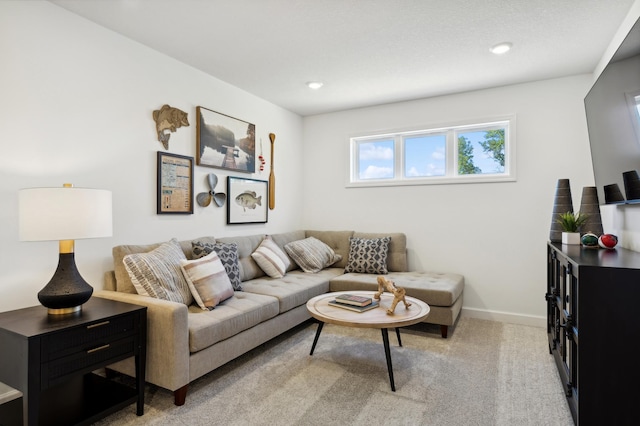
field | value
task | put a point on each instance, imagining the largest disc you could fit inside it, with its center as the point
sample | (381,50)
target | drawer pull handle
(100,324)
(99,348)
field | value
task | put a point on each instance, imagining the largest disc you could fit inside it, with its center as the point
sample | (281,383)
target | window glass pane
(376,159)
(424,155)
(481,152)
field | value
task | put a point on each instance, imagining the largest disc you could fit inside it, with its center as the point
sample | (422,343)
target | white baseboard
(508,317)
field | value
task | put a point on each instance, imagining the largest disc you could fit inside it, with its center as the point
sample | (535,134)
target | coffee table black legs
(315,339)
(385,341)
(387,353)
(398,335)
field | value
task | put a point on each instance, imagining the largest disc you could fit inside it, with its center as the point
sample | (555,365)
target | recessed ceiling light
(501,48)
(315,85)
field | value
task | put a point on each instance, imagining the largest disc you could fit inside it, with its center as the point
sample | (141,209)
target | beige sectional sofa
(186,342)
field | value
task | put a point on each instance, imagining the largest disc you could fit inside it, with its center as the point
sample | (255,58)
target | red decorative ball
(607,241)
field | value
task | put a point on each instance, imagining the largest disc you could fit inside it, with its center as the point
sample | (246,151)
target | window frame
(451,175)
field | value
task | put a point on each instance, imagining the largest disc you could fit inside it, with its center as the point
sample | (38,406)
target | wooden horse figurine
(398,293)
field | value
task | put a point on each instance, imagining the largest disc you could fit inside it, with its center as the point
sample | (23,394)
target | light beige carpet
(485,373)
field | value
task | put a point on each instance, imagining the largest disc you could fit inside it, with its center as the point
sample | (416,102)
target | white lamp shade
(47,214)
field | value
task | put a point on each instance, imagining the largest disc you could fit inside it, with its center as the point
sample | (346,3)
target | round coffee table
(320,309)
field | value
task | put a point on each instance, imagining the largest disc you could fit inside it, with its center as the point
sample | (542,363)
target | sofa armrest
(167,340)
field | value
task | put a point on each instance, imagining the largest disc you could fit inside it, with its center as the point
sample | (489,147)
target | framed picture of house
(225,142)
(175,183)
(247,200)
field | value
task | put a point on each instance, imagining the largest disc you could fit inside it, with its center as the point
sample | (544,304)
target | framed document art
(225,142)
(246,200)
(175,183)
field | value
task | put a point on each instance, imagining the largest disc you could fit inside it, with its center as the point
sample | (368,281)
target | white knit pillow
(158,273)
(270,258)
(208,280)
(311,254)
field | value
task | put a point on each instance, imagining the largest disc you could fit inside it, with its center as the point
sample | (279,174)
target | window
(483,152)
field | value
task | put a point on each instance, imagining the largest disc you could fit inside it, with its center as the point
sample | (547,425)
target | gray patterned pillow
(368,255)
(228,254)
(311,254)
(158,274)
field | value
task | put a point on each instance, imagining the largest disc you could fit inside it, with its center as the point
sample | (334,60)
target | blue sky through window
(376,159)
(425,155)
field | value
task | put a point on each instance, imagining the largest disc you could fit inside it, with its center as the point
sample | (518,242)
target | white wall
(494,234)
(76,105)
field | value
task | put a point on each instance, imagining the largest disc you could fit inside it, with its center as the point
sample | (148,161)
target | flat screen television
(613,120)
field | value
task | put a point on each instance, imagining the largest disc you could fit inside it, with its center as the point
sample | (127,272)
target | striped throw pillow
(270,258)
(311,254)
(208,280)
(158,274)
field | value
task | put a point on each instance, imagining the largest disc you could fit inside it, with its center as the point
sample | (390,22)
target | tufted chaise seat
(441,291)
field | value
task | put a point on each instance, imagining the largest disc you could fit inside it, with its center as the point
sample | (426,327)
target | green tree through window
(465,157)
(493,145)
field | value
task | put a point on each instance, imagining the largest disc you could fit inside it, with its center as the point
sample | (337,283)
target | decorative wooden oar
(272,177)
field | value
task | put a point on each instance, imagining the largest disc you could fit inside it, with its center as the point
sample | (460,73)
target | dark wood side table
(50,359)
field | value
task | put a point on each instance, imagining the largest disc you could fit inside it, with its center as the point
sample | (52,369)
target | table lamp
(64,214)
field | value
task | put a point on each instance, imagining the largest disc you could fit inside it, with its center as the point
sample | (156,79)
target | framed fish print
(225,142)
(175,183)
(247,200)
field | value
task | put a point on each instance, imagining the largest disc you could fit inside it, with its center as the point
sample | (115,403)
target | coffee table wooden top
(320,309)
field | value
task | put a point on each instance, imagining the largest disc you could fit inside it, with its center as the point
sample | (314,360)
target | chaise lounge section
(186,342)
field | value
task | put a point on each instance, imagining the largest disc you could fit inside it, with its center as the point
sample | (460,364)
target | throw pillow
(270,258)
(311,254)
(158,273)
(368,255)
(208,280)
(228,254)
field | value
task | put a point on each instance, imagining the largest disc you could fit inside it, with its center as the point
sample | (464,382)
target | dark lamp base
(67,290)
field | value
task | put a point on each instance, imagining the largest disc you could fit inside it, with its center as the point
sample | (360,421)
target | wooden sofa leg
(180,395)
(443,331)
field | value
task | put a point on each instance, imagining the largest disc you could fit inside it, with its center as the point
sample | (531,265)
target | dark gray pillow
(368,255)
(228,254)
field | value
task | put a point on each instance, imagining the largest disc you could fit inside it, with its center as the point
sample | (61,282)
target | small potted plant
(571,223)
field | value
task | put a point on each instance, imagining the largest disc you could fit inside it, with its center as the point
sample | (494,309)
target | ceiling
(367,52)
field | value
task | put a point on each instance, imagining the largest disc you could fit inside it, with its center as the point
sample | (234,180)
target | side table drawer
(87,360)
(76,339)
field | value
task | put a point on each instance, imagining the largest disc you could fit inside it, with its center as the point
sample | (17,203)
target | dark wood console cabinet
(51,360)
(593,326)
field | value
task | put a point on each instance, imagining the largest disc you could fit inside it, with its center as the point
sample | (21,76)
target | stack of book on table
(354,302)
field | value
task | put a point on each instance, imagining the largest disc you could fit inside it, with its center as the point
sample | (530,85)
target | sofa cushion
(271,258)
(158,273)
(397,255)
(311,254)
(434,288)
(208,280)
(249,269)
(368,255)
(295,288)
(228,254)
(239,313)
(123,281)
